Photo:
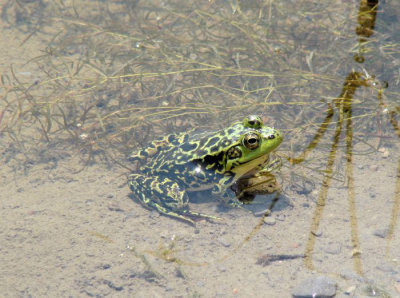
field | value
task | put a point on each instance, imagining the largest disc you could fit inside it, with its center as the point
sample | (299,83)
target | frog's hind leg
(164,195)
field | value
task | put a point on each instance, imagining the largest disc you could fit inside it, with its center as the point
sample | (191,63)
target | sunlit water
(84,84)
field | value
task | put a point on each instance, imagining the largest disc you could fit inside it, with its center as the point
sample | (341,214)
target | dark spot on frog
(212,141)
(187,147)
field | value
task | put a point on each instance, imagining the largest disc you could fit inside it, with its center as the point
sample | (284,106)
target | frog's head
(251,150)
(240,148)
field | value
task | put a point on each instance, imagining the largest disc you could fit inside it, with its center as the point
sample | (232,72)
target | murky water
(86,83)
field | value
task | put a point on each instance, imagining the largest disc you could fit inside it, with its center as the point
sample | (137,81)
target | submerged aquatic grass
(116,76)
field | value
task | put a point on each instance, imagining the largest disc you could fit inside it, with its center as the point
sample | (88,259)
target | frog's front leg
(164,195)
(222,192)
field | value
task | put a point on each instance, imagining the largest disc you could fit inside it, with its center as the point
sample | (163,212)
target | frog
(175,165)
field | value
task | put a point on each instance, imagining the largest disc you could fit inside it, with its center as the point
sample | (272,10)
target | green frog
(187,162)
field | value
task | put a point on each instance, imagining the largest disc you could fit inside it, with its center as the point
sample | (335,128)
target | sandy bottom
(77,234)
(80,234)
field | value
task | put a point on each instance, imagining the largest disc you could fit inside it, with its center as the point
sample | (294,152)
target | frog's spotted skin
(194,161)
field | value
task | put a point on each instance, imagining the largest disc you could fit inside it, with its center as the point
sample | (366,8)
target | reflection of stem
(396,204)
(322,198)
(352,198)
(395,209)
(366,18)
(353,81)
(344,105)
(394,123)
(366,23)
(316,139)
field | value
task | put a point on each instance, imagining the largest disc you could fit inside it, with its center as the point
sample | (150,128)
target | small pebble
(264,212)
(373,167)
(351,275)
(112,206)
(317,233)
(269,220)
(221,268)
(304,189)
(224,242)
(280,217)
(385,267)
(333,248)
(129,215)
(397,287)
(25,73)
(384,151)
(350,290)
(382,233)
(154,214)
(316,286)
(371,290)
(200,284)
(112,285)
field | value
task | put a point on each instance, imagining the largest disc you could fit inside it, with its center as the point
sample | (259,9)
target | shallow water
(85,83)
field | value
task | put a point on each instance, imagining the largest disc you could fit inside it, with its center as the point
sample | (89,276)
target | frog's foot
(170,213)
(226,199)
(184,215)
(165,196)
(235,203)
(206,216)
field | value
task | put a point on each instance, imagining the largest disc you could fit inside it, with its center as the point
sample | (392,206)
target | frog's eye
(251,141)
(253,121)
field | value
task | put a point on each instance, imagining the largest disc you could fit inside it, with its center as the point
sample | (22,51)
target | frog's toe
(171,213)
(184,215)
(206,216)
